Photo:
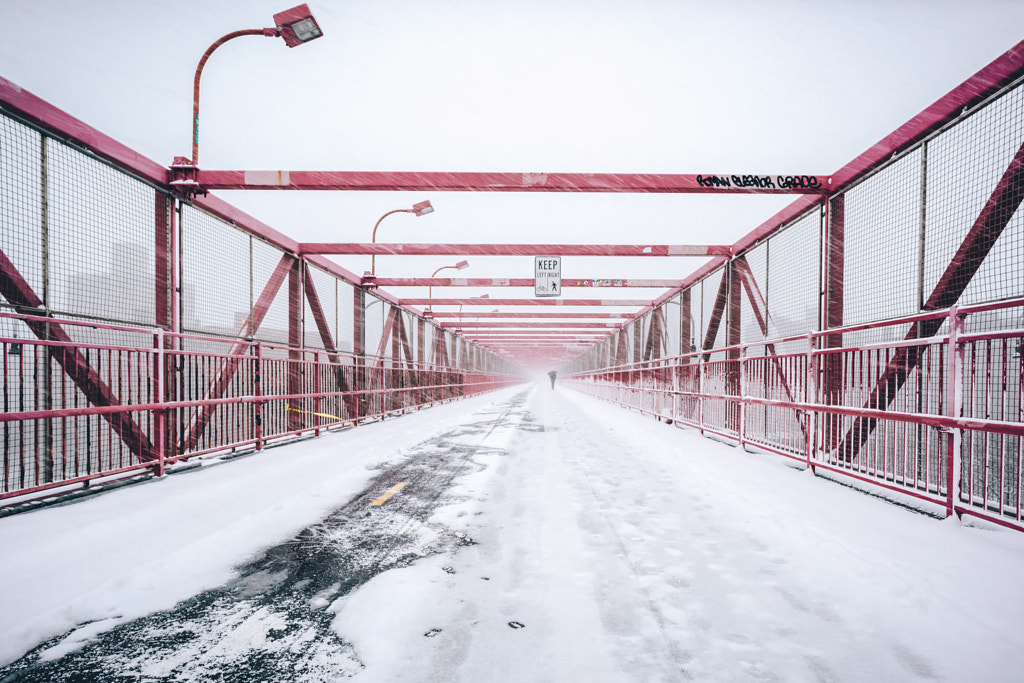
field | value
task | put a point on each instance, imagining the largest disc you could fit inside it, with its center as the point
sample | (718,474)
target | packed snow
(602,545)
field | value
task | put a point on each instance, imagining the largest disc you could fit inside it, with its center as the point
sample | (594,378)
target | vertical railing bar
(954,403)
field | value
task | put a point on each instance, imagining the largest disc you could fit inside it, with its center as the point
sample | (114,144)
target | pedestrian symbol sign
(547,276)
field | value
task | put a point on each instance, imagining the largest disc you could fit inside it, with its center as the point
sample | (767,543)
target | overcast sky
(591,86)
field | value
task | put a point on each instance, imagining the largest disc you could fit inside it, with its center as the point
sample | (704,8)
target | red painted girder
(537,332)
(562,338)
(399,249)
(500,314)
(683,183)
(521,325)
(515,282)
(552,345)
(524,302)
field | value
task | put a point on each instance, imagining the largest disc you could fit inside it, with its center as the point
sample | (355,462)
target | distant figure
(552,375)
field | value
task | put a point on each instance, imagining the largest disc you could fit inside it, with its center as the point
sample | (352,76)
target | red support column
(733,339)
(638,340)
(396,383)
(295,355)
(831,364)
(160,435)
(421,374)
(165,308)
(316,391)
(359,350)
(257,390)
(954,408)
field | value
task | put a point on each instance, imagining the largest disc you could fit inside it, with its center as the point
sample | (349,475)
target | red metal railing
(908,416)
(185,404)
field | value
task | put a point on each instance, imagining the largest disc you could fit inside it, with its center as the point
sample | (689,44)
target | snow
(607,546)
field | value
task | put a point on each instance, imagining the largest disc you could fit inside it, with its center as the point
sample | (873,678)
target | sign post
(547,276)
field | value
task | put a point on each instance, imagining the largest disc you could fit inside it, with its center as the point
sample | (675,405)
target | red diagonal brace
(716,313)
(757,302)
(201,418)
(19,293)
(385,334)
(993,219)
(313,299)
(656,335)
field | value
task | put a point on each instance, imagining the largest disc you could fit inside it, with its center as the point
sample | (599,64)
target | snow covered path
(530,535)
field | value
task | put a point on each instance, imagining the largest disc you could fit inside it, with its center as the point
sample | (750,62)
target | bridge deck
(529,534)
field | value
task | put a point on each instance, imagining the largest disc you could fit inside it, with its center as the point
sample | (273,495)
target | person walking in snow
(552,375)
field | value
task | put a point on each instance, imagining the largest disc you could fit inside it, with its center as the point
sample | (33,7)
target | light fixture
(420,209)
(423,208)
(461,265)
(295,25)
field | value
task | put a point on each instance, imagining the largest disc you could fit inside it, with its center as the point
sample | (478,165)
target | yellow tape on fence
(310,412)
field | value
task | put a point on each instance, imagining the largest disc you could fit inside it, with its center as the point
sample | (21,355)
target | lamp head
(297,26)
(461,265)
(423,208)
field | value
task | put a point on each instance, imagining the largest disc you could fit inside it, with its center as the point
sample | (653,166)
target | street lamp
(295,25)
(421,209)
(461,265)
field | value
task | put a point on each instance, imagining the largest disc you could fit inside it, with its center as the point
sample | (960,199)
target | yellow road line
(390,492)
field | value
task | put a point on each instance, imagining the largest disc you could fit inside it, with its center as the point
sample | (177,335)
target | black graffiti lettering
(753,181)
(799,182)
(713,181)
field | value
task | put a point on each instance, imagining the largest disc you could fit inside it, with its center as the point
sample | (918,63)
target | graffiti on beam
(763,182)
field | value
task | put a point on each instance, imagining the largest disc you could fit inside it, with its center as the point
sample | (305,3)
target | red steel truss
(515,182)
(813,395)
(638,250)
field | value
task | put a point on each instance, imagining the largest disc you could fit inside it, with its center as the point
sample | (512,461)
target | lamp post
(295,25)
(461,265)
(421,209)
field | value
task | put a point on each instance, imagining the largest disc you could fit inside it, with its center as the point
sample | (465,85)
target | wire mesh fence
(832,339)
(138,329)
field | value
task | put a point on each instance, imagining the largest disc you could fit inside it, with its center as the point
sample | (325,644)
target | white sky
(594,86)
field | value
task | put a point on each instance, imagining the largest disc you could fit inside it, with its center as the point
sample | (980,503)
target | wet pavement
(272,622)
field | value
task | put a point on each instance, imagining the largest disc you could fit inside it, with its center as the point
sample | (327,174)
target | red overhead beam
(405,249)
(515,282)
(563,338)
(549,332)
(530,314)
(524,302)
(709,183)
(551,325)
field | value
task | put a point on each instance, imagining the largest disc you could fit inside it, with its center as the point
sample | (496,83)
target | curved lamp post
(295,25)
(421,209)
(461,265)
